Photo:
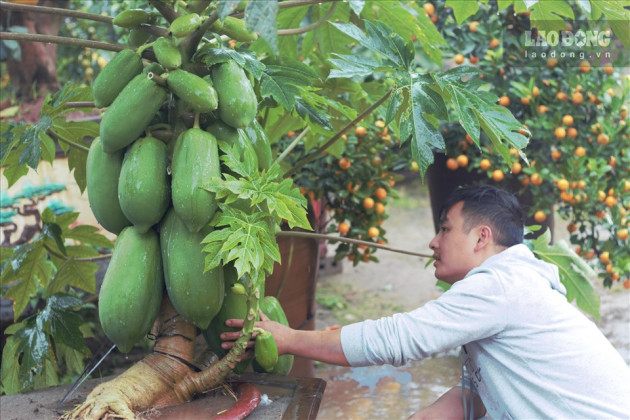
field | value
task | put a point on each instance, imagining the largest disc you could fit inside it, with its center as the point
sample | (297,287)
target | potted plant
(315,69)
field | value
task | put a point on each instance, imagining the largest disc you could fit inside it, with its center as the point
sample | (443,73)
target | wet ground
(399,283)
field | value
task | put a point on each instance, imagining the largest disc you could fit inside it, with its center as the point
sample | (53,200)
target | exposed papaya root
(150,382)
(165,377)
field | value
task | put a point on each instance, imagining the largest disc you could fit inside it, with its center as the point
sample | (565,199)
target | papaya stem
(308,159)
(212,376)
(157,78)
(58,137)
(290,3)
(66,258)
(311,27)
(333,239)
(54,39)
(55,11)
(196,123)
(291,146)
(165,10)
(85,104)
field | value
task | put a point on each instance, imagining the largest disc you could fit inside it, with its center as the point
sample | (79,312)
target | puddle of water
(385,392)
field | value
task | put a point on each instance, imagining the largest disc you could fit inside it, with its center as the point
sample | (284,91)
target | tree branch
(291,3)
(312,26)
(332,239)
(71,41)
(55,11)
(308,159)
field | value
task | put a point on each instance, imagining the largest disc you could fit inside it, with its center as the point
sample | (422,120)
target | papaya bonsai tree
(182,169)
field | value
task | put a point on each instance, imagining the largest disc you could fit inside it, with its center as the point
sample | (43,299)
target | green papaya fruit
(271,307)
(195,294)
(197,6)
(258,139)
(138,37)
(143,186)
(131,18)
(125,65)
(234,306)
(192,89)
(130,113)
(131,294)
(102,173)
(167,53)
(237,100)
(155,68)
(266,351)
(185,25)
(195,161)
(234,28)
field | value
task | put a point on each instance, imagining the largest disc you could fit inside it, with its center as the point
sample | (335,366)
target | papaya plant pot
(442,181)
(294,283)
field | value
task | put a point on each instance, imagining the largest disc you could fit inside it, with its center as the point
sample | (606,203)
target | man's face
(453,248)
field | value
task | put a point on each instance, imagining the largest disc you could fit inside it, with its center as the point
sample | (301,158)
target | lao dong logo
(579,44)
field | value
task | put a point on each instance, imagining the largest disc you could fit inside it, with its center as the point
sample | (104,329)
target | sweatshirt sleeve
(472,309)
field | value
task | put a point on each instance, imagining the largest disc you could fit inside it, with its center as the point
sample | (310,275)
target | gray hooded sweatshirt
(528,352)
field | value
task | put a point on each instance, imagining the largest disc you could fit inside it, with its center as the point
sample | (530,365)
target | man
(526,352)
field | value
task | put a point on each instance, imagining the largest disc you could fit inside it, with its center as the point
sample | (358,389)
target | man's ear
(484,237)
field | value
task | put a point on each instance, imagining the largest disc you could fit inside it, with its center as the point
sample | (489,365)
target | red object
(249,398)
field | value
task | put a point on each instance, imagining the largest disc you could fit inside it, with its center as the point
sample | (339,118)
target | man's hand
(280,333)
(324,346)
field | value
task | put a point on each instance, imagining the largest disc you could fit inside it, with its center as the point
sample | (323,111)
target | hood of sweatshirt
(520,255)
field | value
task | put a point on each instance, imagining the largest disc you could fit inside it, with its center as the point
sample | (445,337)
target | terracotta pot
(441,181)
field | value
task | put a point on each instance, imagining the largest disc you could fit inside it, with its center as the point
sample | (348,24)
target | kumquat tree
(220,121)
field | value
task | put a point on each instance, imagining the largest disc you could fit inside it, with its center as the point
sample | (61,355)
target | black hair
(486,204)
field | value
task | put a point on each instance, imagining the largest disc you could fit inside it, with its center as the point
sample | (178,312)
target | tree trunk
(36,71)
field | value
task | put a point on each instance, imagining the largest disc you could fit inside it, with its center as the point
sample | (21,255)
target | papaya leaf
(48,376)
(35,348)
(55,105)
(357,6)
(73,359)
(282,81)
(260,17)
(325,40)
(312,114)
(616,15)
(72,273)
(29,268)
(463,9)
(53,231)
(574,272)
(11,134)
(62,322)
(13,170)
(410,20)
(88,234)
(550,15)
(227,7)
(382,40)
(31,139)
(241,240)
(476,109)
(424,135)
(9,371)
(350,66)
(211,56)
